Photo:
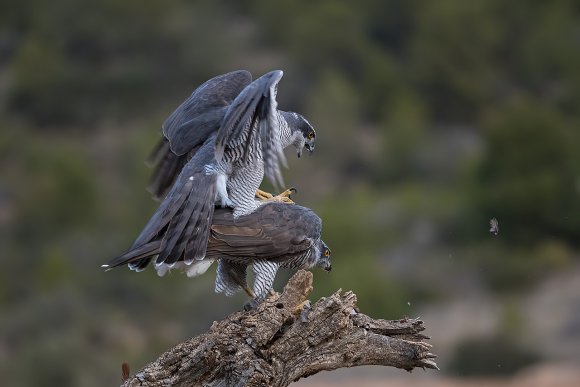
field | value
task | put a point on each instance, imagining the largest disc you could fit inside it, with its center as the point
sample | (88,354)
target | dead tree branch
(283,340)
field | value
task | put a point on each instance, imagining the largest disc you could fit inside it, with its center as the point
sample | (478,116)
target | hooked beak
(309,147)
(328,268)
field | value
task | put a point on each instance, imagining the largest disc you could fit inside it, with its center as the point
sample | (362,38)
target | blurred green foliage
(432,118)
(534,183)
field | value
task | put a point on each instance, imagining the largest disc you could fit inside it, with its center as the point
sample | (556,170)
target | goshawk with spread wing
(200,116)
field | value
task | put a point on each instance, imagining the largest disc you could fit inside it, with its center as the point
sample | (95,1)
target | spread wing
(201,114)
(190,125)
(179,229)
(251,121)
(272,232)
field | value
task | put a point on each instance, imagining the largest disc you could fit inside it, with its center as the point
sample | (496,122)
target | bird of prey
(275,235)
(219,144)
(200,116)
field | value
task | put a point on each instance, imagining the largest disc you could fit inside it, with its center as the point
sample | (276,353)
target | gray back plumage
(275,235)
(275,232)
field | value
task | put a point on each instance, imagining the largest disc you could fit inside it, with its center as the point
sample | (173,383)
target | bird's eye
(310,135)
(327,253)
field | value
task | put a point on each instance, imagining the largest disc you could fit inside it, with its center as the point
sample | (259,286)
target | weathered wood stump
(285,339)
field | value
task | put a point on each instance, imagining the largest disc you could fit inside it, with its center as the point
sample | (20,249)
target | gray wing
(274,231)
(201,114)
(167,166)
(190,125)
(251,120)
(179,229)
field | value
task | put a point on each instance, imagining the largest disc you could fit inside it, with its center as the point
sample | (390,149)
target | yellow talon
(263,195)
(284,197)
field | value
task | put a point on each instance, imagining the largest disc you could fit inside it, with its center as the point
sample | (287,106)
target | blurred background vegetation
(432,118)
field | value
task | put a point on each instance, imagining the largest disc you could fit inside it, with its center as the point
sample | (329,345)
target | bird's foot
(263,195)
(284,197)
(256,300)
(252,304)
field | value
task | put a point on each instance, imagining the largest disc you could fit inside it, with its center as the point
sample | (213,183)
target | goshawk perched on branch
(221,142)
(275,235)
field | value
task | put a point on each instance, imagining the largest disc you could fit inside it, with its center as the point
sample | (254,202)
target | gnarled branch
(285,339)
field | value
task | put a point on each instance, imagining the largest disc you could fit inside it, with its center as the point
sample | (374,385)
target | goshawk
(275,235)
(201,115)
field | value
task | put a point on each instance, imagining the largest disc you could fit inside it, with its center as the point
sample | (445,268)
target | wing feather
(253,115)
(273,230)
(143,251)
(191,201)
(200,114)
(171,249)
(190,125)
(167,167)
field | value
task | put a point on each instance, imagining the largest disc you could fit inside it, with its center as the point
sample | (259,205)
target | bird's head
(324,258)
(303,134)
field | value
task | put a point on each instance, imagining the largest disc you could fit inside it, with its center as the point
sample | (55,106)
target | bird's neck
(286,136)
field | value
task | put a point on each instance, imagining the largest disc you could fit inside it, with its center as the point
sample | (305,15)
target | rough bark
(282,341)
